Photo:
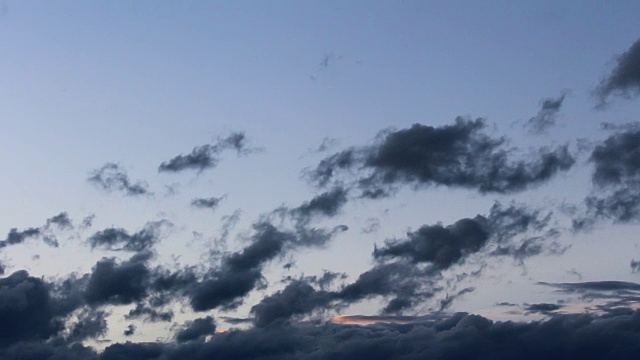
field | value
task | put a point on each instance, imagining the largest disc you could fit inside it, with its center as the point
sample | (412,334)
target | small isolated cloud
(112,177)
(546,116)
(210,203)
(624,78)
(206,156)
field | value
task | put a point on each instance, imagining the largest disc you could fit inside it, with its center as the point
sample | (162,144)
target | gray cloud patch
(546,116)
(624,79)
(206,156)
(207,203)
(120,239)
(111,177)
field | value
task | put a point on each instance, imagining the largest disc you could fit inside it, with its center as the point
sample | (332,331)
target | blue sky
(137,84)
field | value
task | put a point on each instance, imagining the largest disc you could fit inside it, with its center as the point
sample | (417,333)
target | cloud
(457,336)
(207,203)
(206,156)
(546,116)
(45,232)
(120,239)
(91,324)
(241,271)
(111,177)
(196,330)
(543,308)
(62,221)
(616,180)
(326,204)
(147,313)
(443,246)
(130,330)
(624,78)
(438,245)
(118,284)
(458,155)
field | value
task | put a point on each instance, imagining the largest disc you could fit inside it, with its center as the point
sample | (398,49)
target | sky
(315,180)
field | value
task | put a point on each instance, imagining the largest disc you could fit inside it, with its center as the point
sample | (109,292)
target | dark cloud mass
(118,284)
(111,177)
(206,156)
(441,246)
(624,79)
(458,155)
(460,336)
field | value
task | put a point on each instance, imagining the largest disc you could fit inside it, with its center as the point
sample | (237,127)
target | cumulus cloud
(624,78)
(112,177)
(458,155)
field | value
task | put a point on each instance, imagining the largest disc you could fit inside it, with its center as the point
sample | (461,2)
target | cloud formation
(616,180)
(206,156)
(120,239)
(458,155)
(624,78)
(546,116)
(112,177)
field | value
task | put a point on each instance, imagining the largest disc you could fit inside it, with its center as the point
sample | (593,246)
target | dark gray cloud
(609,294)
(111,177)
(120,239)
(119,283)
(458,155)
(443,246)
(206,156)
(624,78)
(327,204)
(298,298)
(241,271)
(543,308)
(148,313)
(130,330)
(91,324)
(45,232)
(207,203)
(196,330)
(61,221)
(460,336)
(616,180)
(439,245)
(546,116)
(16,237)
